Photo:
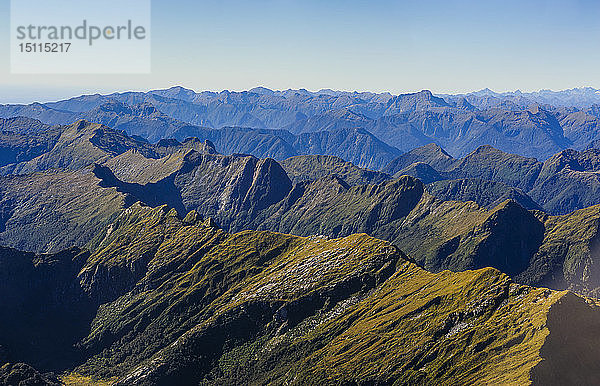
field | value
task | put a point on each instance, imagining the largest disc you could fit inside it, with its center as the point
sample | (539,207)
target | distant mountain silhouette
(534,125)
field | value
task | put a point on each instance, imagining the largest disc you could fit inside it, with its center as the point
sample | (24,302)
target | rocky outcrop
(431,154)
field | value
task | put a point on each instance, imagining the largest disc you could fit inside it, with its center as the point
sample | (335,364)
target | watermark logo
(80,36)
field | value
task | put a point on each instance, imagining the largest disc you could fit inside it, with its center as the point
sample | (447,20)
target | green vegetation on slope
(182,302)
(54,210)
(313,167)
(567,181)
(241,192)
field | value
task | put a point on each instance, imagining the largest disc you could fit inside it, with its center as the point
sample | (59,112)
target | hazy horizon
(47,98)
(447,47)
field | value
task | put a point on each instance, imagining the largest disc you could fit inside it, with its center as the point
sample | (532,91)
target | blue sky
(396,46)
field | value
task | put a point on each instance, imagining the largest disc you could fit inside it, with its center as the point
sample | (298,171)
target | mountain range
(296,237)
(163,300)
(567,181)
(576,97)
(365,128)
(240,192)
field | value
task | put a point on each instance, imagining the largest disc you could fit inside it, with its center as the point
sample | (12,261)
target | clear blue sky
(396,46)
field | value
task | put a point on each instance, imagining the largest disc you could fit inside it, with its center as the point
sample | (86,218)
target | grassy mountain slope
(182,302)
(54,210)
(313,167)
(488,194)
(242,192)
(246,193)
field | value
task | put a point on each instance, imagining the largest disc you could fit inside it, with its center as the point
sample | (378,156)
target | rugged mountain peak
(490,163)
(262,91)
(270,184)
(209,146)
(176,92)
(85,126)
(486,193)
(196,144)
(433,148)
(510,208)
(421,100)
(423,95)
(431,154)
(486,150)
(491,156)
(566,159)
(463,104)
(506,238)
(422,171)
(192,218)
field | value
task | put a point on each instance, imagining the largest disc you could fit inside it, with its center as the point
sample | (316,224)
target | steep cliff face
(488,163)
(231,188)
(330,207)
(499,246)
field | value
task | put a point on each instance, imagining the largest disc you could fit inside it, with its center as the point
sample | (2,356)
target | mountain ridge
(403,121)
(198,304)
